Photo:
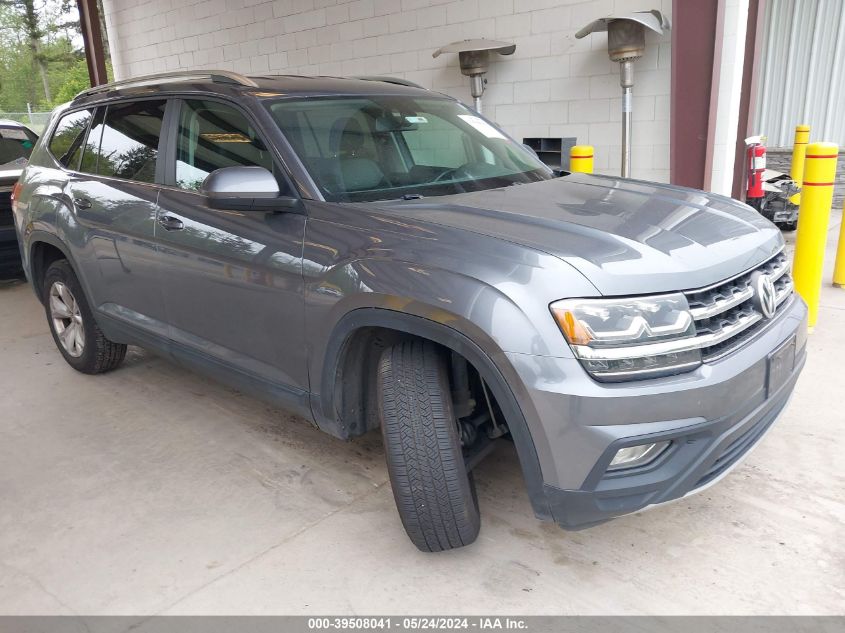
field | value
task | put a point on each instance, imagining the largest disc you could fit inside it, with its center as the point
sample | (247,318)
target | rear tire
(434,493)
(72,324)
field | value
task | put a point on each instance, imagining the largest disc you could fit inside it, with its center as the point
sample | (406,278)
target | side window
(66,142)
(129,140)
(213,135)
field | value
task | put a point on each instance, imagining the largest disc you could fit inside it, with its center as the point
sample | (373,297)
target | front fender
(484,312)
(496,371)
(372,278)
(494,291)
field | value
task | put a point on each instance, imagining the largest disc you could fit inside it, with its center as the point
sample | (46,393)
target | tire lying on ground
(434,493)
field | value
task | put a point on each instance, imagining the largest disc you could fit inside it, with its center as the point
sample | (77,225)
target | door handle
(82,203)
(171,223)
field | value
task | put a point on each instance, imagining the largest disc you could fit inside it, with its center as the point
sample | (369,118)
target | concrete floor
(151,491)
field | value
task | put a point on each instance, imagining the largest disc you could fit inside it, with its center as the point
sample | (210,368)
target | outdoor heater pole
(626,79)
(625,44)
(474,59)
(477,89)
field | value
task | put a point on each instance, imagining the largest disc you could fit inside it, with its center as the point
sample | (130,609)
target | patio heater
(474,58)
(626,43)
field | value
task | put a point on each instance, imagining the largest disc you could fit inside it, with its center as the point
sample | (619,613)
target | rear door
(114,195)
(232,281)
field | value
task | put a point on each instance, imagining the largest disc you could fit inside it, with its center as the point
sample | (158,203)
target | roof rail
(216,76)
(390,80)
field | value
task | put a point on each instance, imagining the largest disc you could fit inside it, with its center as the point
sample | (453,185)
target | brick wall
(554,85)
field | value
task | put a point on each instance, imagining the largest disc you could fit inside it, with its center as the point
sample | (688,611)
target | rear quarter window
(66,142)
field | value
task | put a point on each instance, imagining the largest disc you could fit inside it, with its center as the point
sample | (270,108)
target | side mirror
(245,189)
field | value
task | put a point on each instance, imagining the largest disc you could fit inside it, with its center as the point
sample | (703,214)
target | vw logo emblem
(764,294)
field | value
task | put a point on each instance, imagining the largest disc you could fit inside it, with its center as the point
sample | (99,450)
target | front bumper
(712,416)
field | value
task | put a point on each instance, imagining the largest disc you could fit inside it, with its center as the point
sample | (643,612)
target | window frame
(166,159)
(94,114)
(280,171)
(161,139)
(55,127)
(95,108)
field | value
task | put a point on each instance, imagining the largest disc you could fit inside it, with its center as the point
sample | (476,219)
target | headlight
(624,339)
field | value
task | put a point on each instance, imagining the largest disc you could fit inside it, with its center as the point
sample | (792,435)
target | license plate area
(781,363)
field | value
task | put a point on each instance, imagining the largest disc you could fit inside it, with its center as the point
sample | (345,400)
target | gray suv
(369,254)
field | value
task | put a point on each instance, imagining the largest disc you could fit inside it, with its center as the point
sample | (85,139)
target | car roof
(261,86)
(12,123)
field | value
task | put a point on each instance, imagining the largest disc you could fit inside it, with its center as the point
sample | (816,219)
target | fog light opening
(640,455)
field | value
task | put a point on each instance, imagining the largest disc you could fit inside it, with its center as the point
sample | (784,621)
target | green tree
(76,80)
(29,25)
(41,61)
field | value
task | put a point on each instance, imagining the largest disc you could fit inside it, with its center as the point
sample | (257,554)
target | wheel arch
(43,250)
(345,407)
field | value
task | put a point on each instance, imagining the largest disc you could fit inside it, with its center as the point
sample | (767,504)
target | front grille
(726,315)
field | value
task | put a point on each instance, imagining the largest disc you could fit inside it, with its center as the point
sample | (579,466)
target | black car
(16,143)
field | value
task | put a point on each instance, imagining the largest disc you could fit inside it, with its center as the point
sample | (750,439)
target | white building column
(727,98)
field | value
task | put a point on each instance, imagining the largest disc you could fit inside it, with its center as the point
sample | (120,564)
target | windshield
(387,147)
(16,145)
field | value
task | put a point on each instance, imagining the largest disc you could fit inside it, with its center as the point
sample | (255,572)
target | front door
(232,281)
(115,198)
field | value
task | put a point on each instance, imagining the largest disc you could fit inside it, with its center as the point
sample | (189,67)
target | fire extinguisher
(755,158)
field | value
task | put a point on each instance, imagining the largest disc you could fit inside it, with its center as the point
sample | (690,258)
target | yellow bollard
(581,159)
(813,219)
(799,149)
(839,267)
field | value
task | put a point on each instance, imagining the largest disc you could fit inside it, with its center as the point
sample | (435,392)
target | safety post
(813,220)
(581,159)
(799,150)
(839,267)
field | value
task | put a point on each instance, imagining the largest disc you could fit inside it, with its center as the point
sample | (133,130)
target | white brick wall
(554,85)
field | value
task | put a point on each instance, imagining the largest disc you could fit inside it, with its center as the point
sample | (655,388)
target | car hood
(624,236)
